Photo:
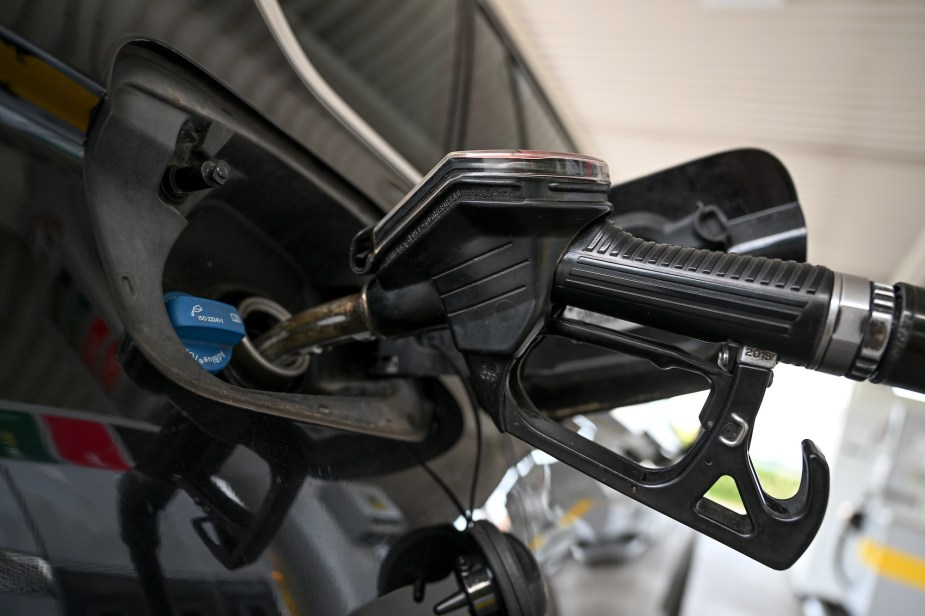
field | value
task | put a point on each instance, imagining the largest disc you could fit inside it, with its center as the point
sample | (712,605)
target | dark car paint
(61,334)
(228,40)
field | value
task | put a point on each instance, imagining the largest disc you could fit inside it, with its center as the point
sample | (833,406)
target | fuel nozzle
(337,321)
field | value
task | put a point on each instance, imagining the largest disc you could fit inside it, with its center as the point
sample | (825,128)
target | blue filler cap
(207,328)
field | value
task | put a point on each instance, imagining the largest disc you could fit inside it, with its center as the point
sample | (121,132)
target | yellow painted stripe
(575,512)
(279,578)
(893,564)
(32,79)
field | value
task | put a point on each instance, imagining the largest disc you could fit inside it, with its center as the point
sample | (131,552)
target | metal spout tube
(336,321)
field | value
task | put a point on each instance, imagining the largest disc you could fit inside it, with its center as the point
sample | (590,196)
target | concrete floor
(726,583)
(722,583)
(638,587)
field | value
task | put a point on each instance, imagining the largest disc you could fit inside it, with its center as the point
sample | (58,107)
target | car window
(397,63)
(492,119)
(392,61)
(541,130)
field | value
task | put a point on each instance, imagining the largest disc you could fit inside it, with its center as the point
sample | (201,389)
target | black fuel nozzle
(492,246)
(476,248)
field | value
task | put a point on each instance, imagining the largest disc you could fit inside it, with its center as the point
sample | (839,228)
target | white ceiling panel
(835,89)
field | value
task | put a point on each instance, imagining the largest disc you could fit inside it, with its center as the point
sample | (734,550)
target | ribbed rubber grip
(776,305)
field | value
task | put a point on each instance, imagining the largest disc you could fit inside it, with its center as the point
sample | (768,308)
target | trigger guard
(774,532)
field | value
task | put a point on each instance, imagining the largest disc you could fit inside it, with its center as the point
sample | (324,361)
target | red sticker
(96,337)
(85,443)
(111,370)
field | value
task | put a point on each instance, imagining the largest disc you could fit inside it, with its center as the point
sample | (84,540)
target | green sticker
(20,438)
